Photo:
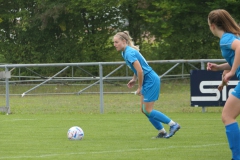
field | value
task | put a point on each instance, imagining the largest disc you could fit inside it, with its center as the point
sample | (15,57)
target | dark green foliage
(61,31)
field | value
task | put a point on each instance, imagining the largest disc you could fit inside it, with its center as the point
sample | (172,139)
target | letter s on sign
(214,91)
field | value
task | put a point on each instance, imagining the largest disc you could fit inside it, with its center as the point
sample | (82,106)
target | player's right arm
(215,67)
(220,87)
(218,67)
(132,82)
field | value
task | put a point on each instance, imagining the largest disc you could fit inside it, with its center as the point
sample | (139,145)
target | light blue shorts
(236,91)
(151,87)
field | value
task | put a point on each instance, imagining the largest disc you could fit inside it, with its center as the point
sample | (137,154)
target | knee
(144,110)
(223,119)
(227,119)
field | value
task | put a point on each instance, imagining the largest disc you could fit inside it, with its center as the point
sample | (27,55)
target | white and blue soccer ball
(75,133)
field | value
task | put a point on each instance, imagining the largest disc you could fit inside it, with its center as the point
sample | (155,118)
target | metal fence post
(7,92)
(101,87)
(202,68)
(182,69)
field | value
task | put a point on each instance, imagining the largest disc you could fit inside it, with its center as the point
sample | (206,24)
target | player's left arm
(220,87)
(236,63)
(139,70)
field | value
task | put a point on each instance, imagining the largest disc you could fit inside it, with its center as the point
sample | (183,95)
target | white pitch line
(116,151)
(208,119)
(21,120)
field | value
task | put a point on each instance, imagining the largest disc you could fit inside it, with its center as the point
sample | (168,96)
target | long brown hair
(224,21)
(125,36)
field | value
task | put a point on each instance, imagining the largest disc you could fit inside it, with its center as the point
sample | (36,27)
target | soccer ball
(75,133)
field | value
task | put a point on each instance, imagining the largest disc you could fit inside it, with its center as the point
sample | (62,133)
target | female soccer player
(224,26)
(148,83)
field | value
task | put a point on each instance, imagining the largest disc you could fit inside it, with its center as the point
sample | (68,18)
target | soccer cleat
(161,135)
(173,130)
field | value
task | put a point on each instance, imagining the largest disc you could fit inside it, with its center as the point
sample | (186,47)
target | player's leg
(160,117)
(229,114)
(150,93)
(158,125)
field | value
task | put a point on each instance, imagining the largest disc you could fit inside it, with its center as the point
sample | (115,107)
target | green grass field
(38,125)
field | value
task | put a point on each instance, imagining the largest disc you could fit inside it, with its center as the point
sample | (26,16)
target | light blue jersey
(151,81)
(227,52)
(131,55)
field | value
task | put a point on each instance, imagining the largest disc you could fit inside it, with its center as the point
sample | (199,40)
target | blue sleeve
(131,57)
(226,41)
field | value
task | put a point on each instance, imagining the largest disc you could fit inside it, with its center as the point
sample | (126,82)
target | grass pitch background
(37,128)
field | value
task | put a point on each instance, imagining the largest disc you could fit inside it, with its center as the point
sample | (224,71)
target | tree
(47,31)
(181,27)
(58,31)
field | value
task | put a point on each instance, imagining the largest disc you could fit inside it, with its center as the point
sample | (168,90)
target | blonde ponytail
(125,36)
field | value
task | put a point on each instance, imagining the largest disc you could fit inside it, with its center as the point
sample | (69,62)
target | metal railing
(6,74)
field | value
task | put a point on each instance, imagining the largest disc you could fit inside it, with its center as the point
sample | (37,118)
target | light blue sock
(233,136)
(159,116)
(155,123)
